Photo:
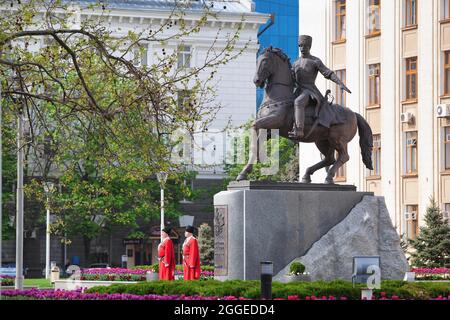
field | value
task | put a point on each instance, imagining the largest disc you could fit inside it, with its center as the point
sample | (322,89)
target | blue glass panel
(284,33)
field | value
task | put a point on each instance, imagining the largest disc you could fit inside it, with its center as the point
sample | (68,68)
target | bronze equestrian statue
(312,119)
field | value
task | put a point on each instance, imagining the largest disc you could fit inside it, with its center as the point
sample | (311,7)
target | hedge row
(179,267)
(251,289)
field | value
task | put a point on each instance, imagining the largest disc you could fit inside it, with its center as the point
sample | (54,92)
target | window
(341,174)
(374,84)
(340,19)
(447,73)
(411,78)
(184,56)
(376,156)
(447,148)
(410,13)
(446,213)
(446,10)
(374,17)
(411,218)
(411,152)
(341,97)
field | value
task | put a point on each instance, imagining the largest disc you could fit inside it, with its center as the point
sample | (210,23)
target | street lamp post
(19,205)
(48,187)
(1,178)
(162,178)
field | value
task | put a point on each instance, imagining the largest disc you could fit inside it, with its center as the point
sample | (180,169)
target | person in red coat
(191,256)
(166,256)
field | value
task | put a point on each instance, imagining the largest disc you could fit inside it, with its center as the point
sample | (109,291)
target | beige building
(395,57)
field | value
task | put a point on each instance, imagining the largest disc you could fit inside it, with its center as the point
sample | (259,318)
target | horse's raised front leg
(343,157)
(328,152)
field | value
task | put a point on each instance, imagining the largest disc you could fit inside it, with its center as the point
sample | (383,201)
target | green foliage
(287,159)
(155,267)
(206,244)
(297,268)
(432,245)
(98,120)
(9,160)
(251,289)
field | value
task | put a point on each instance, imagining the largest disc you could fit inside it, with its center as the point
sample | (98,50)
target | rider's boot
(296,133)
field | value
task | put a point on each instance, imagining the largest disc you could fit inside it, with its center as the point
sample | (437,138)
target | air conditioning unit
(411,142)
(443,110)
(410,216)
(377,144)
(406,117)
(374,72)
(30,234)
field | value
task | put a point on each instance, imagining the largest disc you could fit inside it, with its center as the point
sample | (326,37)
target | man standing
(305,70)
(191,256)
(166,256)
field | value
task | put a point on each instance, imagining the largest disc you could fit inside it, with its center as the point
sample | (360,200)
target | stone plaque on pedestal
(221,240)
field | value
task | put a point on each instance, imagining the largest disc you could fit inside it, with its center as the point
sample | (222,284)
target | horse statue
(273,73)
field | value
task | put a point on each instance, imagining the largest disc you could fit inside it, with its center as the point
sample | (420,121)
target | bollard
(266,280)
(54,276)
(366,294)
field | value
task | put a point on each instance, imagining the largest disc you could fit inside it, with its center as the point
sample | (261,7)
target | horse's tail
(365,141)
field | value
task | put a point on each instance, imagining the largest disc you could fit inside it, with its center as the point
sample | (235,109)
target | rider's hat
(305,39)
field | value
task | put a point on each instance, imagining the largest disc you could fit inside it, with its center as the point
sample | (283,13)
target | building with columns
(395,57)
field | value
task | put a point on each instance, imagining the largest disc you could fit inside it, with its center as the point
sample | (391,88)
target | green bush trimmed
(297,268)
(251,289)
(155,267)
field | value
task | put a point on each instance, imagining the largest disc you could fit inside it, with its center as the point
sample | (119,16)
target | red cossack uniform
(166,257)
(191,259)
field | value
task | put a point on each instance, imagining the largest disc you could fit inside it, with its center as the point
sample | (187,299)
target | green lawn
(41,283)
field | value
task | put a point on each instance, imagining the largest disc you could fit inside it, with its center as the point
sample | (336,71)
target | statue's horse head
(273,66)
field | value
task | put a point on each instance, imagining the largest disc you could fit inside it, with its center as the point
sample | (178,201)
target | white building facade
(394,56)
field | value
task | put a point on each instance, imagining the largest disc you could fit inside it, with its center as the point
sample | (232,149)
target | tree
(98,119)
(285,150)
(64,73)
(8,173)
(432,245)
(206,244)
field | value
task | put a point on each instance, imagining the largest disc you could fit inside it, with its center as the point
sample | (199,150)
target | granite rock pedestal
(278,222)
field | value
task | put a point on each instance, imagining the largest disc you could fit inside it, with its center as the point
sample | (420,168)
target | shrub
(251,289)
(6,281)
(153,267)
(296,268)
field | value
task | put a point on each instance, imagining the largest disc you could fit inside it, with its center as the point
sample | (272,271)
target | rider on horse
(305,71)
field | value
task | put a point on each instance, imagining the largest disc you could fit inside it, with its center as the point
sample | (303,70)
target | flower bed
(35,294)
(251,289)
(120,274)
(113,274)
(78,295)
(432,273)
